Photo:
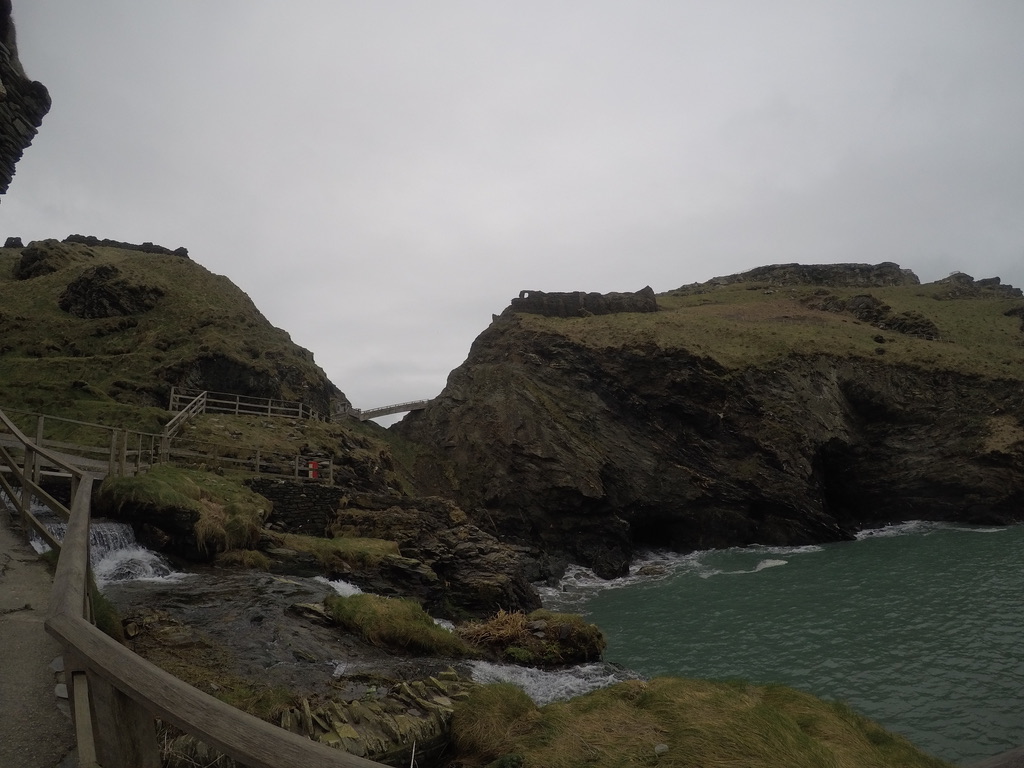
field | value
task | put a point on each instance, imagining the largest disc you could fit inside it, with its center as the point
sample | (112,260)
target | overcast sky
(380,176)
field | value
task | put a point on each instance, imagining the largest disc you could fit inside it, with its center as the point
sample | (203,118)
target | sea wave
(580,584)
(922,528)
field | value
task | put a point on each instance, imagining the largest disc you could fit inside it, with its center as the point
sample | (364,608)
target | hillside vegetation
(744,324)
(674,723)
(84,329)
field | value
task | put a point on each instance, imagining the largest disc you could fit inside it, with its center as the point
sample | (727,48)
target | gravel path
(34,731)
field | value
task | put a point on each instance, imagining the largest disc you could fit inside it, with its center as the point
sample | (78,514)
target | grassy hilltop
(954,325)
(86,329)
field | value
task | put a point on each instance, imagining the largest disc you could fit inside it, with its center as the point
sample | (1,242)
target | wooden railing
(240,405)
(116,697)
(197,406)
(127,452)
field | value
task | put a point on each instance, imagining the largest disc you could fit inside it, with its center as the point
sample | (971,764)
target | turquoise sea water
(918,626)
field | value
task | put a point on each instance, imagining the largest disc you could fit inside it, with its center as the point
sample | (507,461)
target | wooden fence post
(125,733)
(112,461)
(122,459)
(81,709)
(39,430)
(25,497)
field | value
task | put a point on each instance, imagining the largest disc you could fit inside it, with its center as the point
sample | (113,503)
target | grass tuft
(395,623)
(485,726)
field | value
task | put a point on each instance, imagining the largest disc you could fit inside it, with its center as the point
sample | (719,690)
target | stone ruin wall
(299,507)
(579,304)
(23,103)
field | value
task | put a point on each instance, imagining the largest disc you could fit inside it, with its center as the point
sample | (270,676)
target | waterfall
(114,553)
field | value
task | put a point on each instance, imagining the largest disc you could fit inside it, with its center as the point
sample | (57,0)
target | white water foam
(579,584)
(756,569)
(545,686)
(114,554)
(342,587)
(922,528)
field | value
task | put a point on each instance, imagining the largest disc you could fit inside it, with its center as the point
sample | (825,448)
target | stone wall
(299,507)
(23,104)
(579,304)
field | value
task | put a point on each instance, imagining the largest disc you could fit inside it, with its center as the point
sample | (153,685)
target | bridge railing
(387,410)
(115,695)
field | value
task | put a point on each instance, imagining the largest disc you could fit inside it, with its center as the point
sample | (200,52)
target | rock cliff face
(23,102)
(588,449)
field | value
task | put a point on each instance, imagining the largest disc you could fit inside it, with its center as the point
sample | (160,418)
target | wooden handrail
(225,402)
(29,445)
(95,662)
(198,405)
(118,457)
(252,741)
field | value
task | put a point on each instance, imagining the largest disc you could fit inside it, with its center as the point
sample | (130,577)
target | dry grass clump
(486,725)
(395,623)
(678,723)
(542,638)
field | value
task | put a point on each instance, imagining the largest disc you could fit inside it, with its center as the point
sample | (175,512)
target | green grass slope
(186,327)
(754,323)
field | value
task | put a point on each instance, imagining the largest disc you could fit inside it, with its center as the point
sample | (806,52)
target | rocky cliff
(23,102)
(786,406)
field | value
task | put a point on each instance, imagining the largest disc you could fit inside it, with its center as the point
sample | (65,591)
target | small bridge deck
(387,410)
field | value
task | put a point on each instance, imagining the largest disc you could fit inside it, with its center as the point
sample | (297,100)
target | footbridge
(387,410)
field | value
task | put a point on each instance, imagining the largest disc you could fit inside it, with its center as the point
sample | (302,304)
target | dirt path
(33,730)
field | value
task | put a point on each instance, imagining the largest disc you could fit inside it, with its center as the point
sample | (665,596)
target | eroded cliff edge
(789,405)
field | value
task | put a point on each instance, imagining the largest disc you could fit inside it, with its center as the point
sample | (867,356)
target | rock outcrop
(587,451)
(23,102)
(836,275)
(476,574)
(102,291)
